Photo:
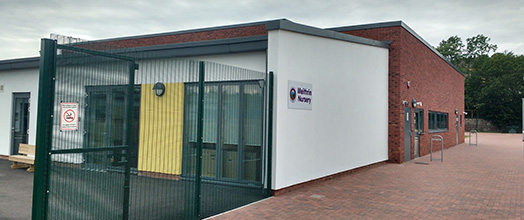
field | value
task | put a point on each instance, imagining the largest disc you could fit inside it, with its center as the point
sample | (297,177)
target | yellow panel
(161,129)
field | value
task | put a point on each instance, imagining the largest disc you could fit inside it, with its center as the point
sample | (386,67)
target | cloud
(26,21)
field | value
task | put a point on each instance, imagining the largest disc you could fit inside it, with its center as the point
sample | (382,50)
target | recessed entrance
(407,134)
(419,129)
(20,120)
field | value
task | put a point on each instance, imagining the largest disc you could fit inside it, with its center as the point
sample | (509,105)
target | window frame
(419,123)
(436,125)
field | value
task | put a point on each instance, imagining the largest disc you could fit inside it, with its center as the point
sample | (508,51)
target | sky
(24,22)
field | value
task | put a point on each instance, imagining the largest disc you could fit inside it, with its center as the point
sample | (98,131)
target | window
(419,121)
(437,121)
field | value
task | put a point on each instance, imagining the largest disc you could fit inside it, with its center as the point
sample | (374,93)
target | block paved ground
(16,192)
(473,182)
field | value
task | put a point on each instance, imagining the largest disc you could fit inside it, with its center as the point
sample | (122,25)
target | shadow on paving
(77,193)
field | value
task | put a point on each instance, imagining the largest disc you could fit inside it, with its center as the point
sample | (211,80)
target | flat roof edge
(232,45)
(285,24)
(412,32)
(201,43)
(212,47)
(396,24)
(367,26)
(21,63)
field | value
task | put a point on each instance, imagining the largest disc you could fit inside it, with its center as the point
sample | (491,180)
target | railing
(441,139)
(476,137)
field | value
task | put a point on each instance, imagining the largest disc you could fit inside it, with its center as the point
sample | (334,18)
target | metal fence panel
(117,142)
(238,149)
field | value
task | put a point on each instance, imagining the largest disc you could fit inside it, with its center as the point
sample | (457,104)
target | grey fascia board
(299,28)
(224,46)
(23,63)
(234,45)
(367,26)
(395,24)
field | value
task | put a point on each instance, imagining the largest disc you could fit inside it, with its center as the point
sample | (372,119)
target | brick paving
(473,182)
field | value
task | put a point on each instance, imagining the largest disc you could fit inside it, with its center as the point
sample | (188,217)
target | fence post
(129,133)
(270,133)
(46,89)
(200,131)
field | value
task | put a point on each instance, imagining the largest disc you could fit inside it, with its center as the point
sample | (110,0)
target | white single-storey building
(330,105)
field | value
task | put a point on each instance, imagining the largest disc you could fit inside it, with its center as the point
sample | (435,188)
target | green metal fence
(115,141)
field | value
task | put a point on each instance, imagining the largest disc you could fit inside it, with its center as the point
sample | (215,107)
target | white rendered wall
(348,124)
(17,81)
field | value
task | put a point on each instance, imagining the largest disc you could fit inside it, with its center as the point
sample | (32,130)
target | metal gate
(115,141)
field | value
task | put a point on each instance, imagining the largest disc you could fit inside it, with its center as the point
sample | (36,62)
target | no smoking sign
(68,116)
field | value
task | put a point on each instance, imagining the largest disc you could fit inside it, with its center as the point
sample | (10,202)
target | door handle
(117,158)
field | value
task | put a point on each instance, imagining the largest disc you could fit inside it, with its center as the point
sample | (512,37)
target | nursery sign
(300,95)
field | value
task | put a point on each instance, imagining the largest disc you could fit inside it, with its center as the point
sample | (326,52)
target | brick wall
(228,33)
(432,81)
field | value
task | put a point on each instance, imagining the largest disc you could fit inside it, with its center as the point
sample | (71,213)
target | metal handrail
(476,137)
(437,138)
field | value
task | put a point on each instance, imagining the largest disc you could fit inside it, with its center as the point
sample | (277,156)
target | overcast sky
(24,22)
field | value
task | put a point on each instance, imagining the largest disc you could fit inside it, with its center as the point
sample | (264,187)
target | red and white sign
(68,116)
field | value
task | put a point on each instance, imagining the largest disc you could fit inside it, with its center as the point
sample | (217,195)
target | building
(417,74)
(334,89)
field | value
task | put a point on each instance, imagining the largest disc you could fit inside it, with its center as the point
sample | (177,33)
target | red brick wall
(228,33)
(432,81)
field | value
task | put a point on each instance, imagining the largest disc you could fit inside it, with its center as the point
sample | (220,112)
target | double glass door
(106,123)
(232,132)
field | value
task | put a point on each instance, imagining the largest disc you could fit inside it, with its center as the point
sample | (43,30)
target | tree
(452,49)
(494,85)
(462,56)
(479,46)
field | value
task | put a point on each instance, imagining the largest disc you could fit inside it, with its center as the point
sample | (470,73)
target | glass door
(106,124)
(252,132)
(209,150)
(232,131)
(20,121)
(229,134)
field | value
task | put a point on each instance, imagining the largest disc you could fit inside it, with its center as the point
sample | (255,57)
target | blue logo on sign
(292,94)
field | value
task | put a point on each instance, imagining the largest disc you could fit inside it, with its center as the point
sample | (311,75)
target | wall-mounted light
(414,103)
(159,89)
(456,111)
(405,103)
